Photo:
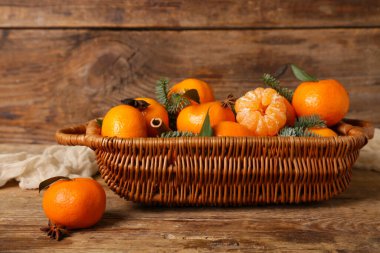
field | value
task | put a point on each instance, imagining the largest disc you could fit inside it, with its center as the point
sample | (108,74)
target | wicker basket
(224,171)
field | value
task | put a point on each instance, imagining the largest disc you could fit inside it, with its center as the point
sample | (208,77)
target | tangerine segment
(230,128)
(154,110)
(204,90)
(326,98)
(191,118)
(262,111)
(124,121)
(76,203)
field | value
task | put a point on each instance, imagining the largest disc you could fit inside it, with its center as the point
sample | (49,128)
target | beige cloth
(31,169)
(369,157)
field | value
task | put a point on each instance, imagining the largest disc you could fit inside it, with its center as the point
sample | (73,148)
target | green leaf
(193,95)
(280,71)
(301,75)
(46,183)
(206,129)
(99,122)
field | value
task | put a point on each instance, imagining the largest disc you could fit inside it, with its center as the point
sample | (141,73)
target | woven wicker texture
(224,171)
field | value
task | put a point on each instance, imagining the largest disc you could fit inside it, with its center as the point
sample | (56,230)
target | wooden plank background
(191,14)
(63,64)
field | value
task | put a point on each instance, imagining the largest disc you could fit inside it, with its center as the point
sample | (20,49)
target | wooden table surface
(350,222)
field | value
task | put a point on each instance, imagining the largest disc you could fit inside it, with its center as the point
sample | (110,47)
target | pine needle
(296,131)
(173,134)
(176,103)
(272,82)
(288,131)
(301,126)
(309,121)
(162,91)
(173,103)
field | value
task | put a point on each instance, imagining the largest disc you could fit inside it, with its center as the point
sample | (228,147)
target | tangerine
(326,98)
(290,114)
(75,203)
(204,90)
(230,128)
(262,111)
(124,121)
(191,118)
(324,132)
(154,110)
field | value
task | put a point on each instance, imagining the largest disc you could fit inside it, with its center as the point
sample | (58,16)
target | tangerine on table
(326,98)
(154,110)
(230,128)
(191,118)
(124,121)
(262,111)
(76,203)
(204,90)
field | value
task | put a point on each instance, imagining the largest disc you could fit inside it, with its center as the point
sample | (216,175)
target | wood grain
(53,78)
(348,223)
(179,14)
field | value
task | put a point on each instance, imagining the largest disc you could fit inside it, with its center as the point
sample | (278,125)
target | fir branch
(173,103)
(272,82)
(162,91)
(296,131)
(176,103)
(302,125)
(309,121)
(291,131)
(173,134)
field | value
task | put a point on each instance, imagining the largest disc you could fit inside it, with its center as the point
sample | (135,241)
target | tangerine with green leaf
(326,98)
(204,90)
(191,118)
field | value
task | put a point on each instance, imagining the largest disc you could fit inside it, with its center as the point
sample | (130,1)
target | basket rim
(88,134)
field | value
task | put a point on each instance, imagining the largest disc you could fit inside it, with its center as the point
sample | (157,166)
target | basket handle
(353,127)
(83,135)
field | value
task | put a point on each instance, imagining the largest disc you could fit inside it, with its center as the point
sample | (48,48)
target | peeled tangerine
(263,111)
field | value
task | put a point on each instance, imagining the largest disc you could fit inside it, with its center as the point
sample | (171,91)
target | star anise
(55,231)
